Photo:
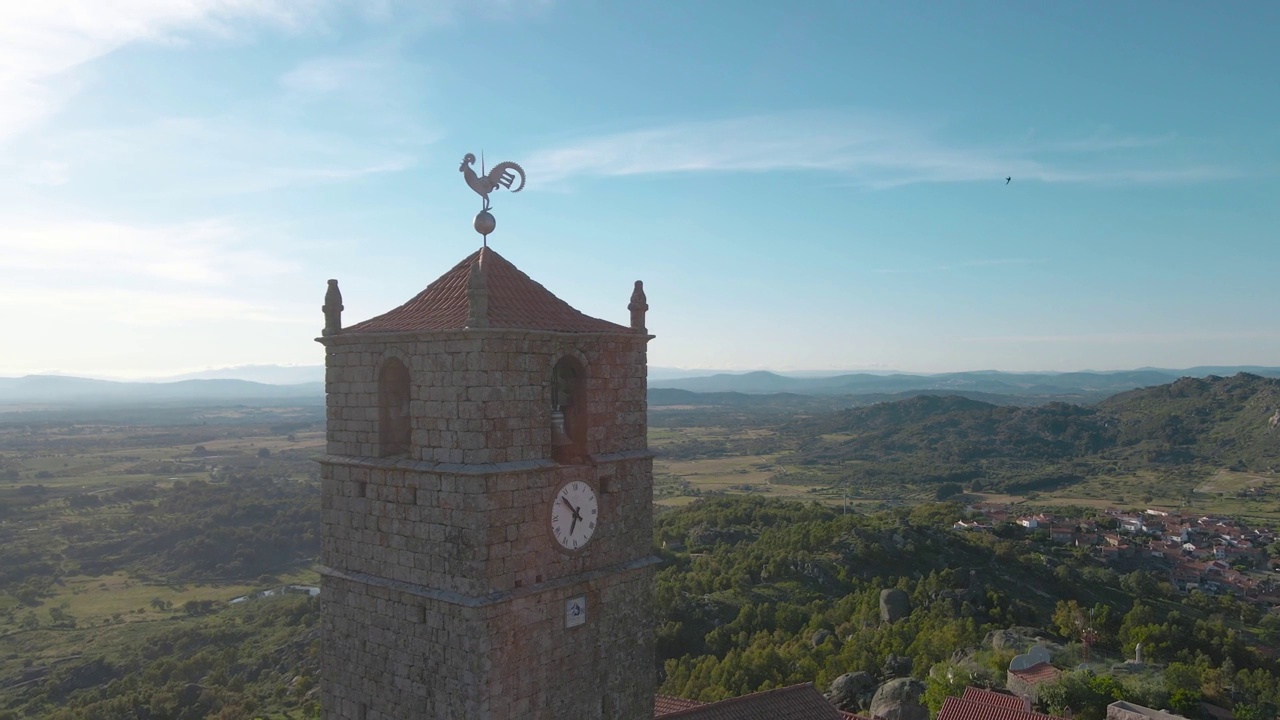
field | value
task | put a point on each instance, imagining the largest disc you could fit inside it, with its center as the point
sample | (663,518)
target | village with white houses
(1215,555)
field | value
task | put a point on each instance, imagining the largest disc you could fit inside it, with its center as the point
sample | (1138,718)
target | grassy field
(1250,496)
(109,598)
(92,457)
(42,468)
(679,479)
(1138,490)
(174,645)
(1230,482)
(740,474)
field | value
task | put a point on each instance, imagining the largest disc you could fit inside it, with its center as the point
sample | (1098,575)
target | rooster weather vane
(504,174)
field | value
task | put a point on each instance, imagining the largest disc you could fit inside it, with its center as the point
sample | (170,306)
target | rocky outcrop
(705,536)
(1017,638)
(899,700)
(852,692)
(91,674)
(894,605)
(896,666)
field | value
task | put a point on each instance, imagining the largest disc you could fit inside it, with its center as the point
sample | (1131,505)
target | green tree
(1269,627)
(1087,695)
(945,680)
(946,490)
(1137,625)
(61,617)
(1140,583)
(1067,619)
(1186,702)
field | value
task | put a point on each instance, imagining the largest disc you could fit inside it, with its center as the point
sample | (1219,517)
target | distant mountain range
(269,374)
(1071,386)
(64,390)
(252,384)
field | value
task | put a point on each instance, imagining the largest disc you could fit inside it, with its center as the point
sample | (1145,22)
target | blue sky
(800,185)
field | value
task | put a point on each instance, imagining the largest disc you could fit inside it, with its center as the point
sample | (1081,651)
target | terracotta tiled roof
(1038,673)
(665,705)
(515,301)
(990,697)
(798,702)
(954,708)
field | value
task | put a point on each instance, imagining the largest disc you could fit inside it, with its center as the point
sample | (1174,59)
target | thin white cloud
(143,307)
(869,151)
(990,262)
(1002,261)
(206,156)
(47,172)
(134,284)
(329,74)
(1101,141)
(913,271)
(377,93)
(1086,339)
(104,254)
(41,41)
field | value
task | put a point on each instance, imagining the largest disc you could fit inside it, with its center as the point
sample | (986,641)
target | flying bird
(1008,180)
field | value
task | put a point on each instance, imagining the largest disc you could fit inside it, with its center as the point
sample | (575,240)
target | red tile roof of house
(954,708)
(515,301)
(990,697)
(1038,673)
(665,705)
(797,702)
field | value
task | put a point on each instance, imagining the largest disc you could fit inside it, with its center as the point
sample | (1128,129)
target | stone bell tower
(487,504)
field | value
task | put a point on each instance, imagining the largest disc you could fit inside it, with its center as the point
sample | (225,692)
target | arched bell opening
(569,412)
(394,428)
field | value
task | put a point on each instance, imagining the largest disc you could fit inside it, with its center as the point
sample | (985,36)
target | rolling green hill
(1222,421)
(1199,423)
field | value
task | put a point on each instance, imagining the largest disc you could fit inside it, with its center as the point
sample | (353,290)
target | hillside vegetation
(1191,424)
(763,594)
(124,546)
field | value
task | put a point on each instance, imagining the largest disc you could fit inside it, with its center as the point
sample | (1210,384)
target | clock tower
(487,505)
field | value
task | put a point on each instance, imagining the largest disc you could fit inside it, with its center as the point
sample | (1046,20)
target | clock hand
(572,525)
(576,514)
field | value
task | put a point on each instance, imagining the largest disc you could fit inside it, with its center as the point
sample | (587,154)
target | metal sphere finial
(484,222)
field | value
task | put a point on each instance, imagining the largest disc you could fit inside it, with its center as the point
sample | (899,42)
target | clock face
(574,514)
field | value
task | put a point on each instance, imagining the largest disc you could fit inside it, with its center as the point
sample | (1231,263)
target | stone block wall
(443,589)
(484,396)
(392,653)
(476,534)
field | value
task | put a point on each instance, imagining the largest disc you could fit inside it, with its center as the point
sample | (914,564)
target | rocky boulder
(852,692)
(1017,638)
(91,674)
(894,605)
(896,666)
(899,700)
(705,536)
